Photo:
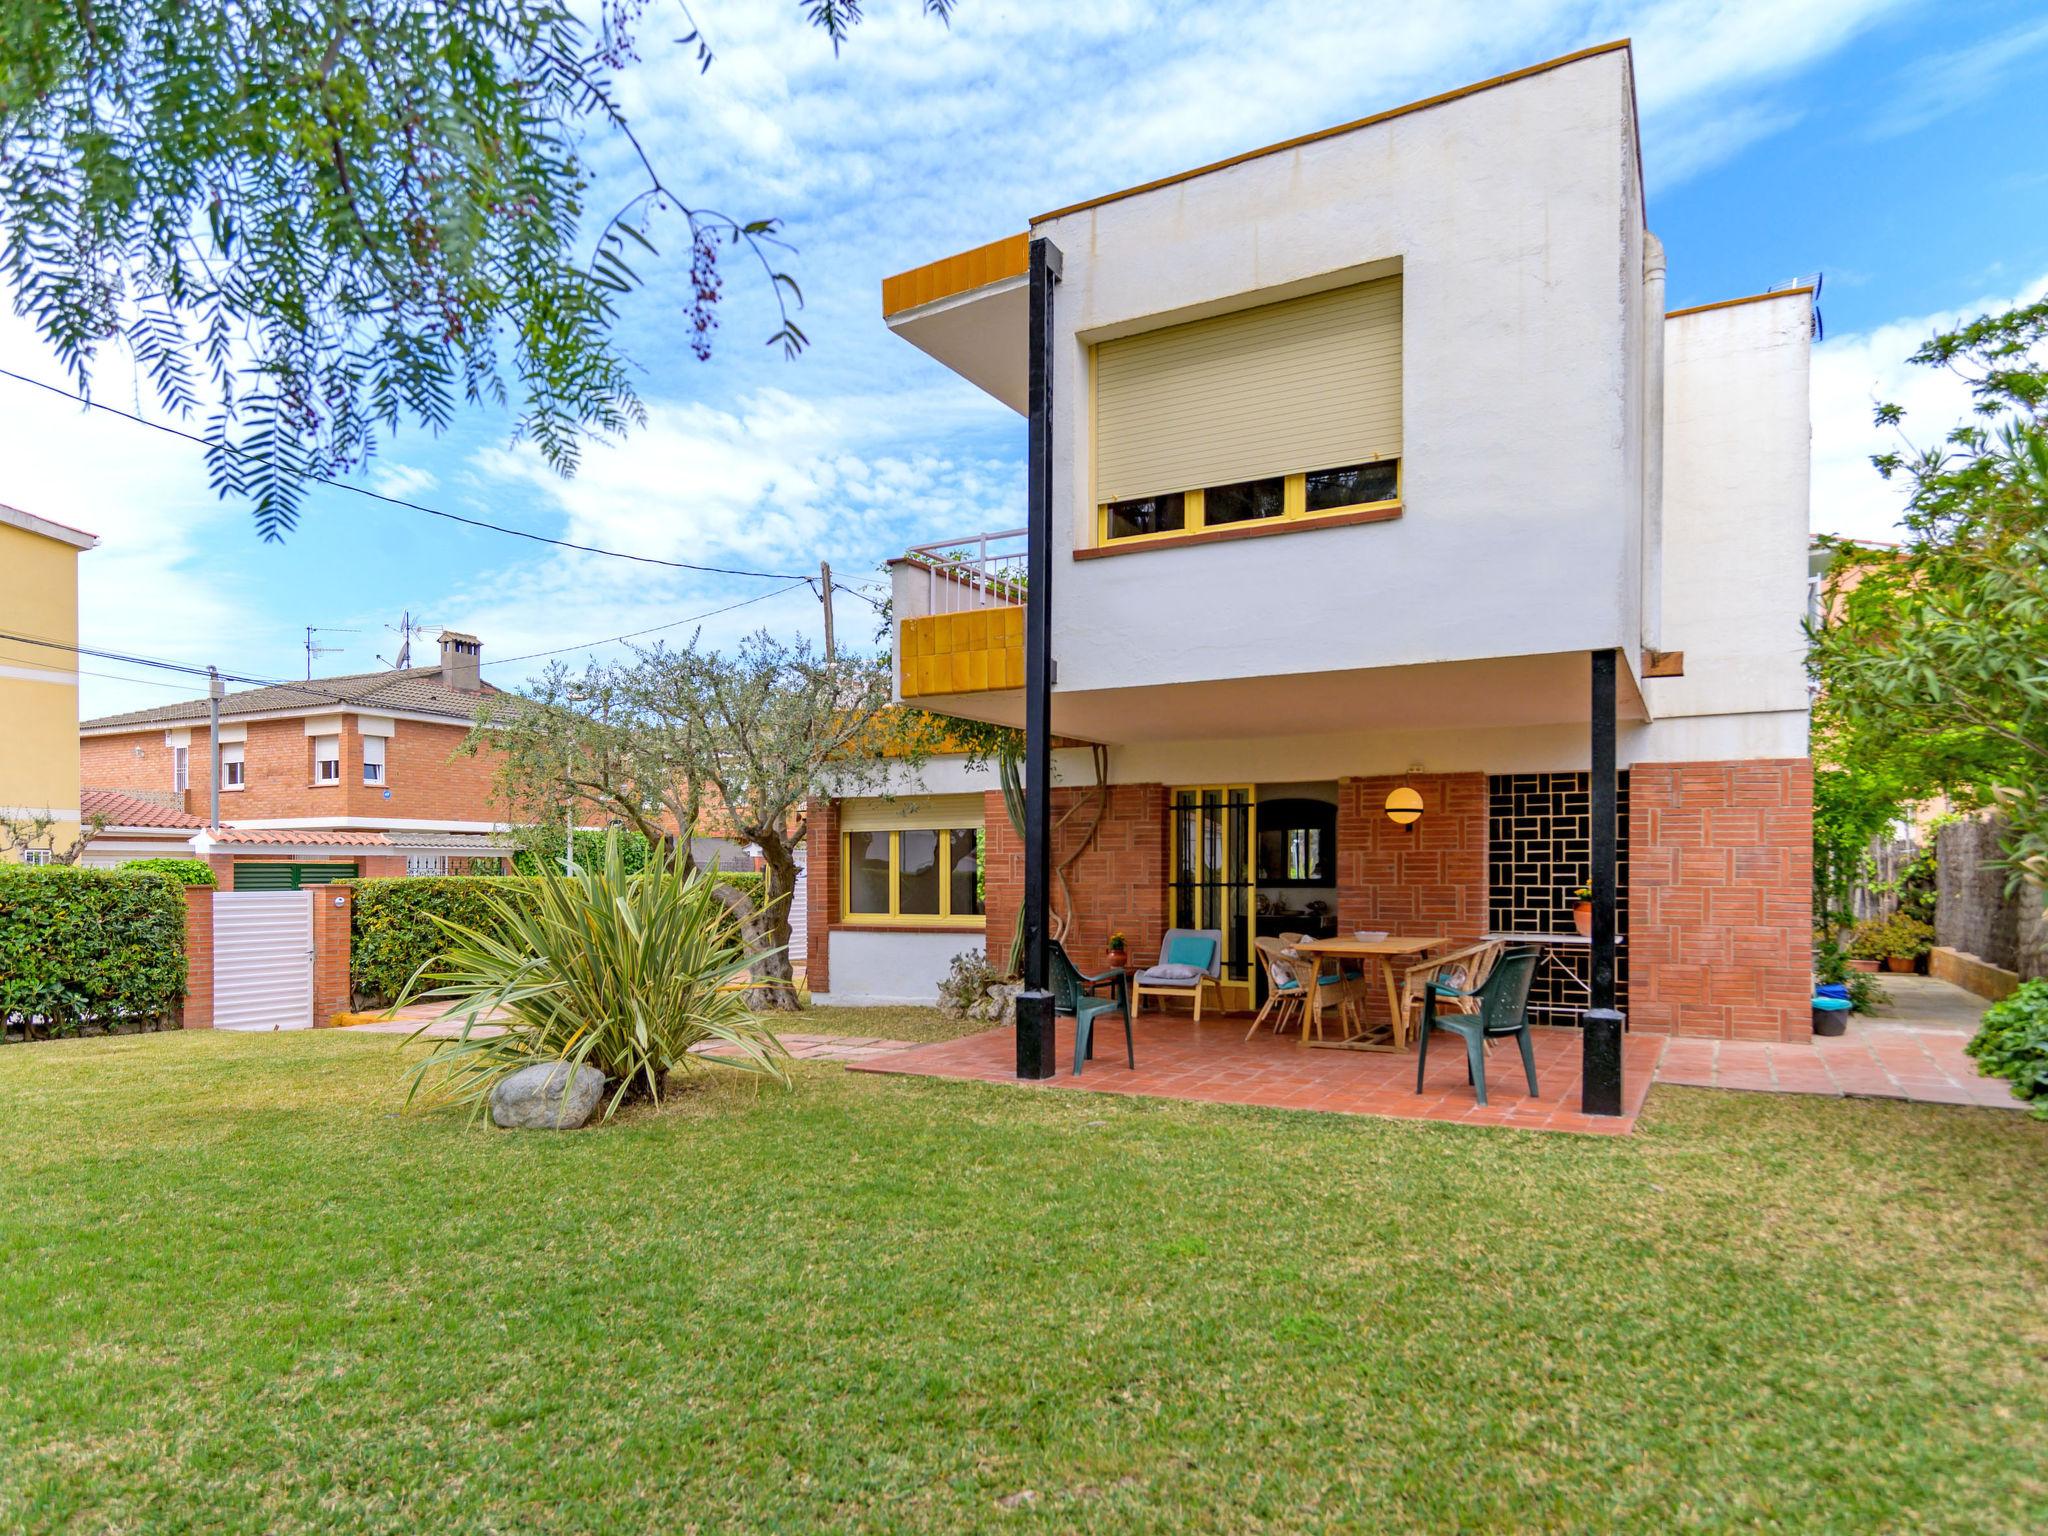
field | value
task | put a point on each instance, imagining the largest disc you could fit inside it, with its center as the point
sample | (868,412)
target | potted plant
(1908,939)
(1119,952)
(1582,914)
(1896,943)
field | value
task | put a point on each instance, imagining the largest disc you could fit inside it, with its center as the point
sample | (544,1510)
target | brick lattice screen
(1539,851)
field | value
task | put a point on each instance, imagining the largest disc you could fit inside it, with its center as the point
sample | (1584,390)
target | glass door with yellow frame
(1215,831)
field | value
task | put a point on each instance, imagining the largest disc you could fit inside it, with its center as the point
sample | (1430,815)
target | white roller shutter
(262,959)
(1309,383)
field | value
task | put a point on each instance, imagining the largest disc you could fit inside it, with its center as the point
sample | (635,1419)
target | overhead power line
(634,634)
(400,501)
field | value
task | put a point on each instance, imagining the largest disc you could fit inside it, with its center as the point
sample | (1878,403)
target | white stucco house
(1361,445)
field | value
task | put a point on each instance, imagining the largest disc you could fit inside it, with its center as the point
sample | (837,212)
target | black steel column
(1034,1003)
(1600,1063)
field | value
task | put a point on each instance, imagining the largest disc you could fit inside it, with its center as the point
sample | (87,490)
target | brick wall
(821,891)
(1720,931)
(197,1012)
(1118,884)
(332,908)
(1427,877)
(428,779)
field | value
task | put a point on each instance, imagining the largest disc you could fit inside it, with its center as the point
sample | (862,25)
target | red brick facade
(1720,883)
(428,779)
(821,891)
(1429,876)
(1119,884)
(1721,898)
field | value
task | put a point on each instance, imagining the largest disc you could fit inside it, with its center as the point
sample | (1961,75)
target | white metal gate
(263,959)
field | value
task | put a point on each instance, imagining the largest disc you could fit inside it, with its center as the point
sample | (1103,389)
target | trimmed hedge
(393,934)
(83,948)
(184,871)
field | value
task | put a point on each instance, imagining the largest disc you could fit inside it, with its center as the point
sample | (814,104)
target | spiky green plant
(624,973)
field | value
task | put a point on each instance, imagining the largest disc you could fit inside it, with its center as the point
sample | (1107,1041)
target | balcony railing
(983,570)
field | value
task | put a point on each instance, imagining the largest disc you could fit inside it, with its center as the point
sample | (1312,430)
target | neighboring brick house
(337,776)
(121,827)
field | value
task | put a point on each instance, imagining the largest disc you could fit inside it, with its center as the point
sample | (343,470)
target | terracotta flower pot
(1582,918)
(1867,967)
(1119,958)
(1900,963)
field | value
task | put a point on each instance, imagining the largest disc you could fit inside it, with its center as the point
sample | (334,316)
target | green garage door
(289,877)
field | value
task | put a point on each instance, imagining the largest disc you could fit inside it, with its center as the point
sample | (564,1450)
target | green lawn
(244,1293)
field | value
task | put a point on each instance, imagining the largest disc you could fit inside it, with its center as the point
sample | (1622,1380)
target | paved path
(1912,1049)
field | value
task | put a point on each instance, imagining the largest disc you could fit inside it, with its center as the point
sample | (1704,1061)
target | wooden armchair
(1464,967)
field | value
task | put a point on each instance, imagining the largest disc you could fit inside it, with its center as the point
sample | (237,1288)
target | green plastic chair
(1070,995)
(1503,1010)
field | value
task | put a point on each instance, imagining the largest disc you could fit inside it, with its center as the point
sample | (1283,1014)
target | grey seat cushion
(1172,975)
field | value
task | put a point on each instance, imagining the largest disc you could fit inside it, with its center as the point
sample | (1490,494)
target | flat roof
(1004,259)
(63,533)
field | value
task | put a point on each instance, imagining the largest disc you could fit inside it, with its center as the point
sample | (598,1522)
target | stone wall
(1973,914)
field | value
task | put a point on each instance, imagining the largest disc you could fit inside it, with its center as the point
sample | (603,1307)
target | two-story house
(1358,447)
(39,685)
(329,779)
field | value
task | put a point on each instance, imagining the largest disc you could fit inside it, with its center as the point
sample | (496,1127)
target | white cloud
(1851,375)
(403,481)
(148,588)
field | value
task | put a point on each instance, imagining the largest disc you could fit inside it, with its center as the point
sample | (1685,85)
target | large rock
(543,1097)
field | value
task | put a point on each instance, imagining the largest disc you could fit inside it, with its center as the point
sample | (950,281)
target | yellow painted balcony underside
(961,652)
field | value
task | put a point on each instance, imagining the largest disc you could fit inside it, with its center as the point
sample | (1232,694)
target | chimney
(462,662)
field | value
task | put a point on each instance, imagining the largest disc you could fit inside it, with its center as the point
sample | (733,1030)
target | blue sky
(1878,141)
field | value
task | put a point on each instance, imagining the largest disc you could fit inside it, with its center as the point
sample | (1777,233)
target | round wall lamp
(1404,807)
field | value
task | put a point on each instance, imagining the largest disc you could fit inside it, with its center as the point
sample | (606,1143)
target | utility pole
(825,591)
(215,689)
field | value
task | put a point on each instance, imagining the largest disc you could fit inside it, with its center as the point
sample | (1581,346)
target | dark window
(1151,514)
(966,870)
(1354,485)
(867,872)
(917,880)
(1244,502)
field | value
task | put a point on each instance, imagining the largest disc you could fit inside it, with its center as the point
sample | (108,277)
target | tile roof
(115,809)
(416,690)
(300,837)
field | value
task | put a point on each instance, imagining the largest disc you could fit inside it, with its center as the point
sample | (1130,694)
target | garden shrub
(184,871)
(89,948)
(540,851)
(2012,1042)
(1900,936)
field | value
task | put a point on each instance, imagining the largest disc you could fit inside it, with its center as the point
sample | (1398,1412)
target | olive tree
(682,740)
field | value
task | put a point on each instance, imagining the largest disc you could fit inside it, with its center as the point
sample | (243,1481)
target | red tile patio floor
(1213,1063)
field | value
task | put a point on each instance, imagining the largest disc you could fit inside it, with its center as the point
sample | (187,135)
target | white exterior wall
(873,966)
(1737,463)
(1512,215)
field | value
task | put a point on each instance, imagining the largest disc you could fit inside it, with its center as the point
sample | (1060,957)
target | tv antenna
(406,627)
(314,648)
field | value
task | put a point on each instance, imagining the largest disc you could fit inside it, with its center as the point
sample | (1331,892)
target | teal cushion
(1192,949)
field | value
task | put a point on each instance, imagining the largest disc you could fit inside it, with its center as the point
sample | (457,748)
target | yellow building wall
(38,685)
(972,652)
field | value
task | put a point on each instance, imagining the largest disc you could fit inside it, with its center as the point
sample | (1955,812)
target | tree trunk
(776,982)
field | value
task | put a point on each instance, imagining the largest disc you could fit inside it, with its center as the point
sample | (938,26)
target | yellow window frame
(1293,508)
(945,917)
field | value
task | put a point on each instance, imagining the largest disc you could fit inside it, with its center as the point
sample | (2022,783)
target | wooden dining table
(1389,953)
